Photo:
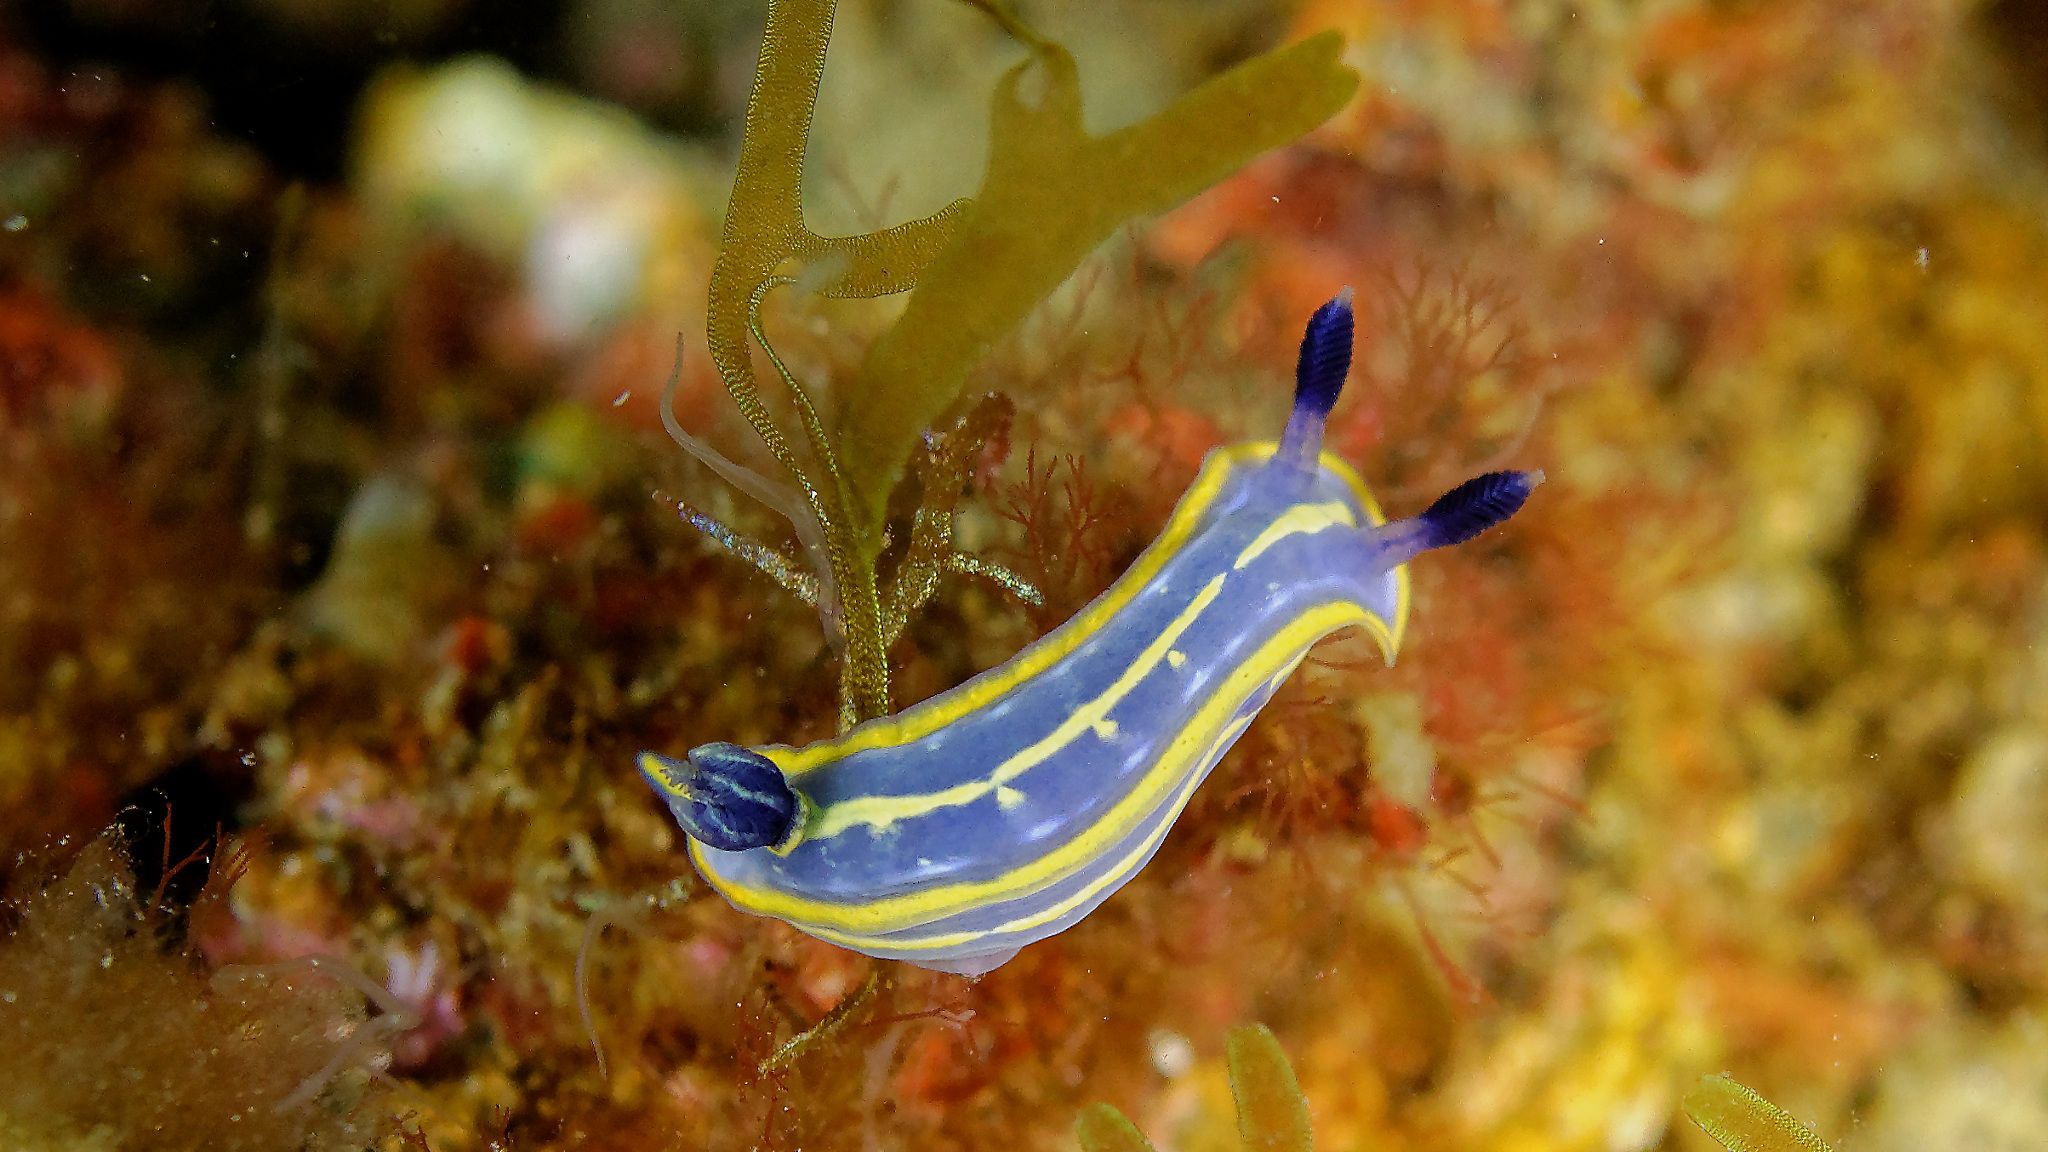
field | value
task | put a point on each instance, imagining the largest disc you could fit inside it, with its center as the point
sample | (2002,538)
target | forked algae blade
(1745,1122)
(1051,194)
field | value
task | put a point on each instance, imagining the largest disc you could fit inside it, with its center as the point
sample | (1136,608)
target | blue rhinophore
(1476,505)
(1325,357)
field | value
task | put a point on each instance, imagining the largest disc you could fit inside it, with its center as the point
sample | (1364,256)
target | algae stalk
(764,228)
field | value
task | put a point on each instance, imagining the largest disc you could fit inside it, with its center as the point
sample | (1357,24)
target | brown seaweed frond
(1051,194)
(764,232)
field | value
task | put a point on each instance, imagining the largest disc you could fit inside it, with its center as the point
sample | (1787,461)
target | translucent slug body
(1003,811)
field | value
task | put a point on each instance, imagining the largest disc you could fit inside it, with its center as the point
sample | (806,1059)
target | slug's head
(728,797)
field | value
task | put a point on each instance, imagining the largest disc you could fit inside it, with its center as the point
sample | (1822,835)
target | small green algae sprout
(1272,1113)
(1743,1121)
(1050,195)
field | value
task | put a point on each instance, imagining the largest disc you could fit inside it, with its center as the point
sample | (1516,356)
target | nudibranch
(1003,811)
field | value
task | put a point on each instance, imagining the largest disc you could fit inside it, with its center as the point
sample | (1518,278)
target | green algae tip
(1742,1121)
(1272,1114)
(1101,1128)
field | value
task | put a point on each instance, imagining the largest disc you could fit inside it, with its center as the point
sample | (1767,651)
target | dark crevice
(290,94)
(175,815)
(2017,32)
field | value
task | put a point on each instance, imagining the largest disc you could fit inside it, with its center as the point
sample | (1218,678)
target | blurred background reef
(341,574)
